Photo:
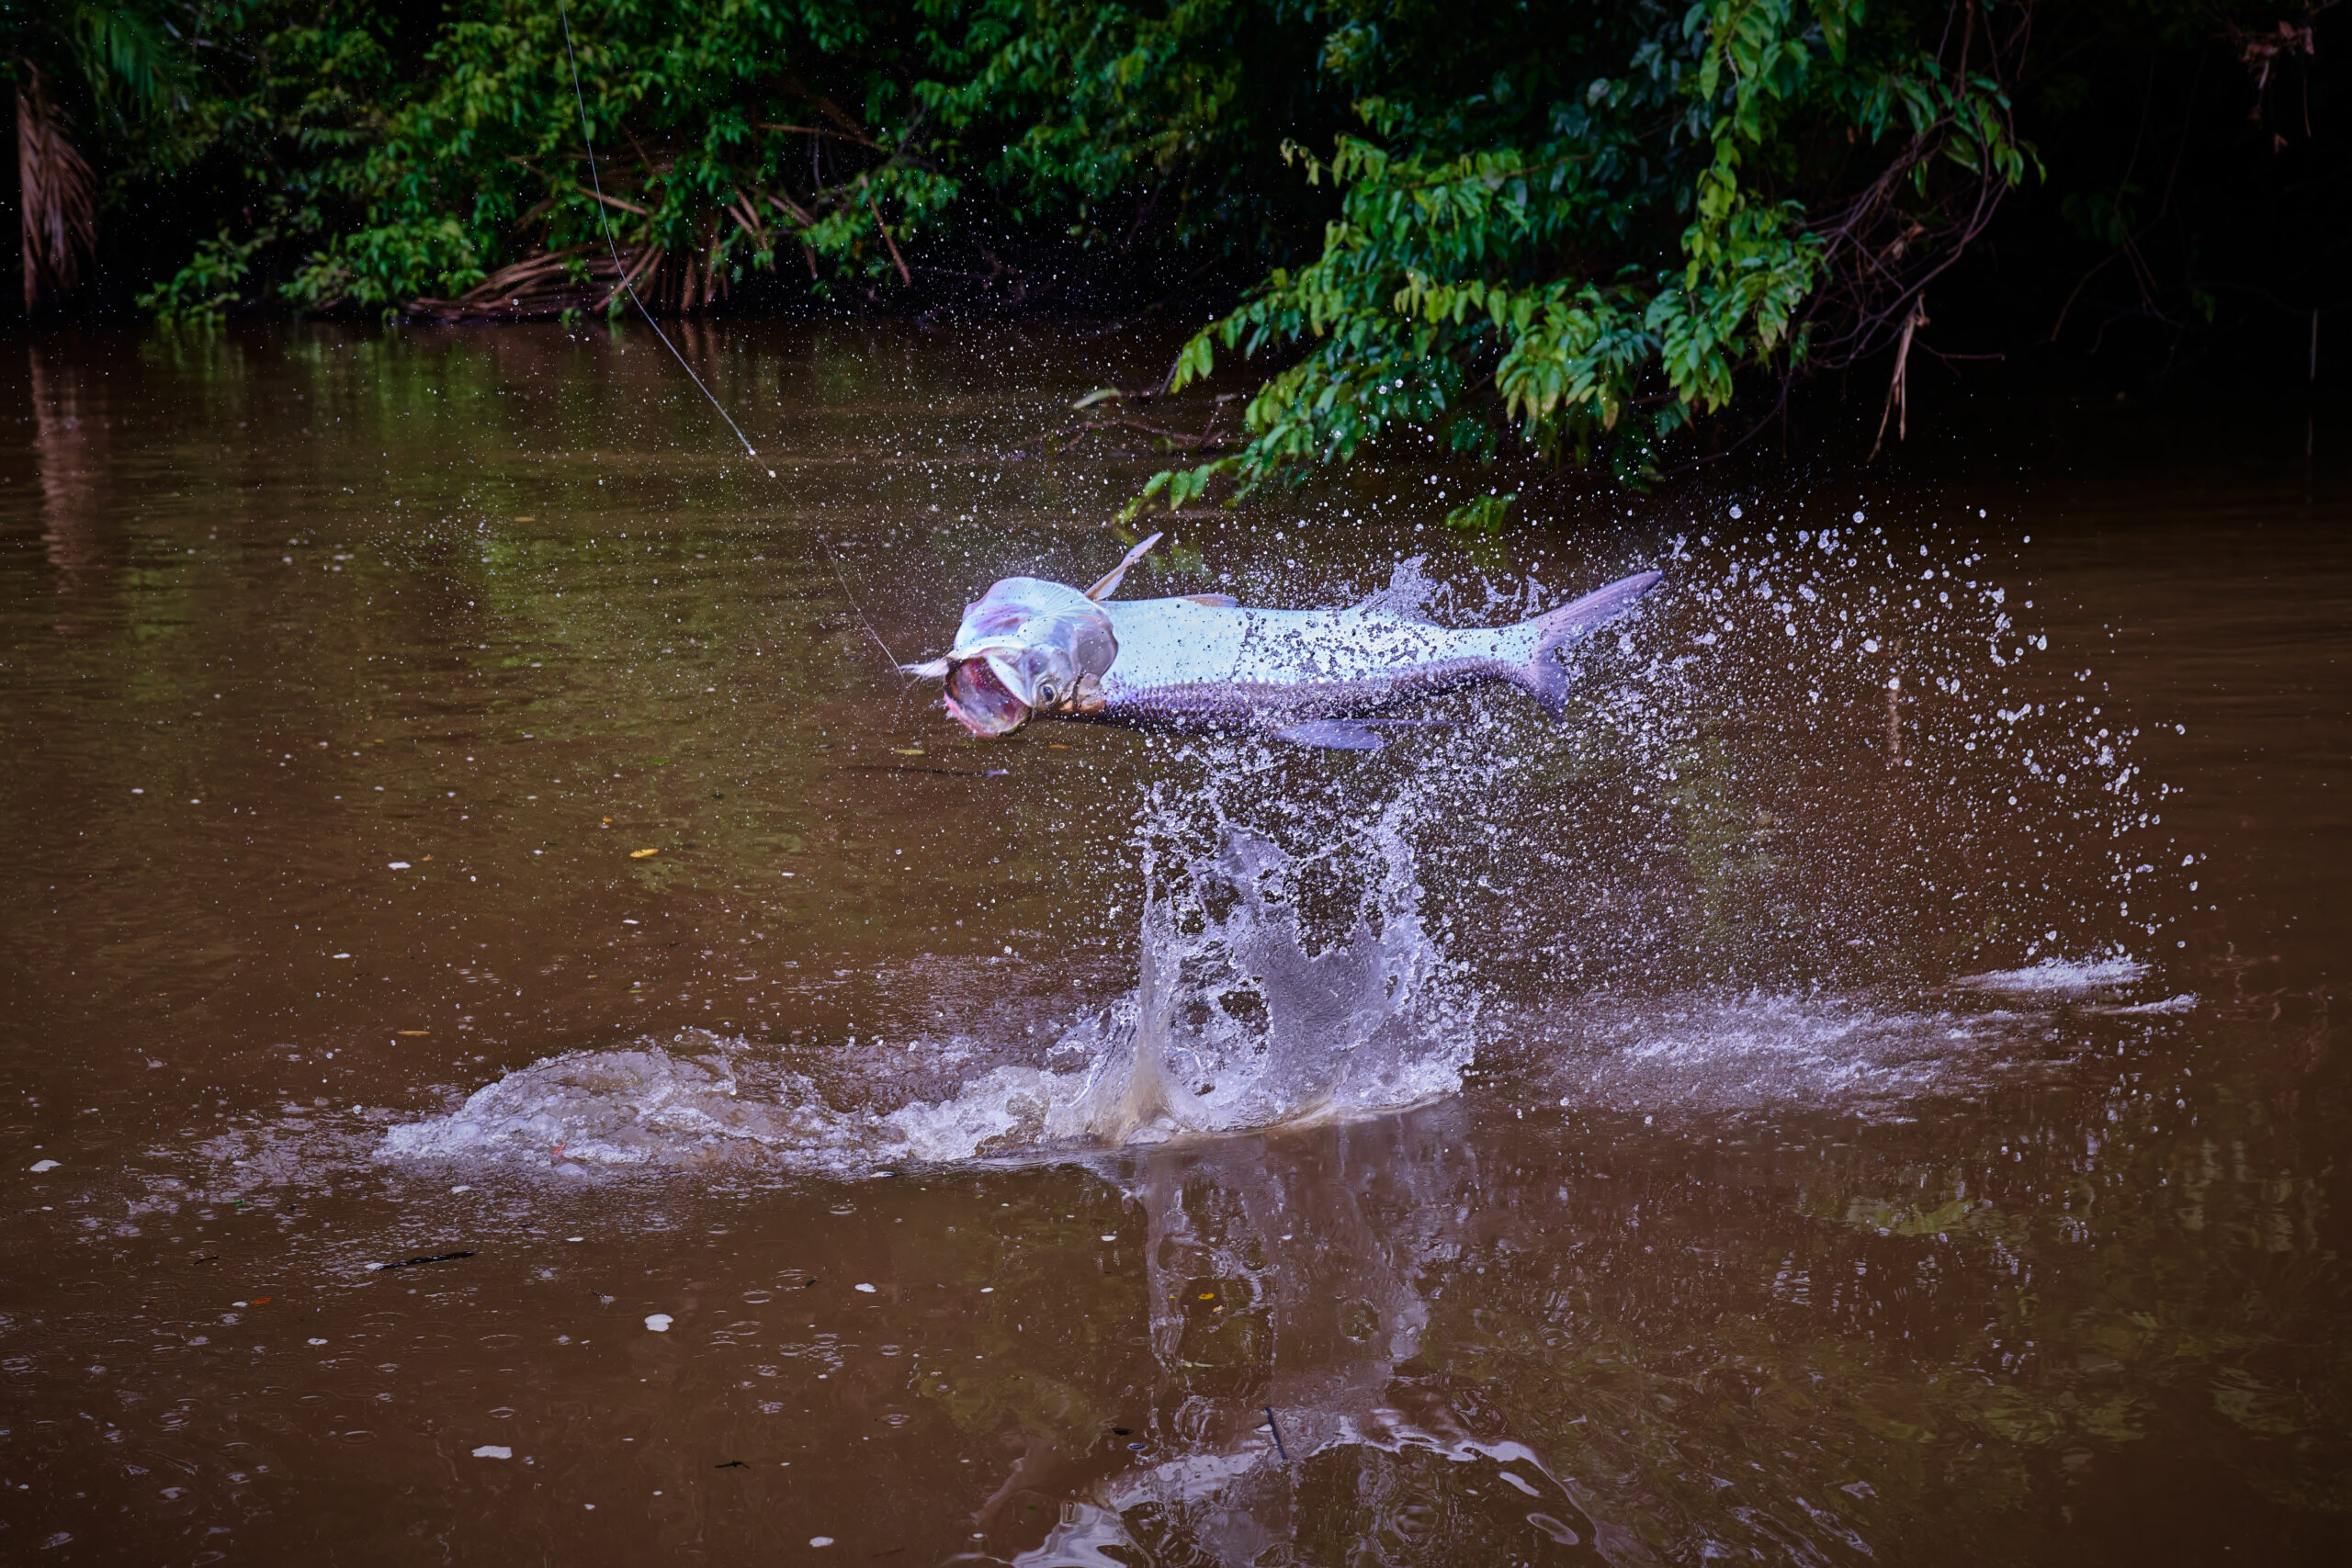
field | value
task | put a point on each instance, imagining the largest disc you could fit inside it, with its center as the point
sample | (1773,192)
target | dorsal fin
(1110,583)
(1214,601)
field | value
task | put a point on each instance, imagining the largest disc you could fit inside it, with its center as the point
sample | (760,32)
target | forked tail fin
(1543,677)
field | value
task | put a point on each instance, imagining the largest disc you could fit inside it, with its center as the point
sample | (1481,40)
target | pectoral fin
(1331,734)
(1110,582)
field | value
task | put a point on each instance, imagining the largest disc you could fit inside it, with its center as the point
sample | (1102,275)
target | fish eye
(1045,695)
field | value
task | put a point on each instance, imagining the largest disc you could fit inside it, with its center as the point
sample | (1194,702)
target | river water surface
(1863,1088)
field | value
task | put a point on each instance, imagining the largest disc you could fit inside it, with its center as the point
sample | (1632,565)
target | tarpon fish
(1029,648)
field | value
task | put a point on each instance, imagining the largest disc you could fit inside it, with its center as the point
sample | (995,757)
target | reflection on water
(1609,1337)
(69,457)
(1863,1088)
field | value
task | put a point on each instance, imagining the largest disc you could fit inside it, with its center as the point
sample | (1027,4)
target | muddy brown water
(1865,1121)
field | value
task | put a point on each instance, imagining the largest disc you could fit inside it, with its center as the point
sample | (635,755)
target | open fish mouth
(980,700)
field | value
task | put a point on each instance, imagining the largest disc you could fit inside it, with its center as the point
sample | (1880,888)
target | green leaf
(1482,515)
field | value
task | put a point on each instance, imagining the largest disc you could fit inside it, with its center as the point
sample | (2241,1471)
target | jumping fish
(1030,649)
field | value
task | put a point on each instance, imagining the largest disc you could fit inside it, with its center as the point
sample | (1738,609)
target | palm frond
(134,62)
(57,196)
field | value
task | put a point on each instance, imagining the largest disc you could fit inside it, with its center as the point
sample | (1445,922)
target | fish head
(1027,646)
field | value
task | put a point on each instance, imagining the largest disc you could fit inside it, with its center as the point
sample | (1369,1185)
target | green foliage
(1483,515)
(130,57)
(212,280)
(1552,234)
(1528,291)
(732,138)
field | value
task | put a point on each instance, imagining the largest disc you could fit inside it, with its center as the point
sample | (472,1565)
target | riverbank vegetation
(1556,233)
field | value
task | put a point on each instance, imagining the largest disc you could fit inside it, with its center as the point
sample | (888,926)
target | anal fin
(1331,734)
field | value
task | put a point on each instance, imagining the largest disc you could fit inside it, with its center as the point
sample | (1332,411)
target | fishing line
(596,182)
(604,220)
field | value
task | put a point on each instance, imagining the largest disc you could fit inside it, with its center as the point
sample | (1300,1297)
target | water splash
(1243,1023)
(1252,1009)
(1794,783)
(2060,977)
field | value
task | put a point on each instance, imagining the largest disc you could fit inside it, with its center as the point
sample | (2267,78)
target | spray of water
(1273,989)
(1815,818)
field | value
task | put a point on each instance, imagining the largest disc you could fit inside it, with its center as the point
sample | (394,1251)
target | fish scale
(1180,660)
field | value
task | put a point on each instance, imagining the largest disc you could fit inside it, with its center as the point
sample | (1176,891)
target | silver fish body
(1033,649)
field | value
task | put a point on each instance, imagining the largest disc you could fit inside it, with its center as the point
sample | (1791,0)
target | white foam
(2185,1002)
(2060,975)
(1239,1020)
(1289,966)
(644,1105)
(1757,1051)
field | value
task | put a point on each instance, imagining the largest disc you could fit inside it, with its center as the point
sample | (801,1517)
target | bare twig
(789,208)
(1206,440)
(547,282)
(648,260)
(616,201)
(863,141)
(1884,244)
(904,275)
(1897,401)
